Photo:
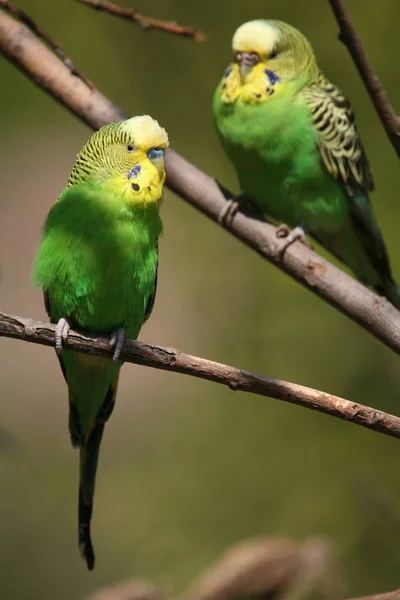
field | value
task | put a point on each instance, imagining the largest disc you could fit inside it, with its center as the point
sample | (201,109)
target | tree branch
(373,313)
(145,23)
(267,568)
(26,19)
(169,359)
(348,35)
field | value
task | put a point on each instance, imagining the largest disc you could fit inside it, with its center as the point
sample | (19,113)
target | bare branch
(348,35)
(145,23)
(373,313)
(26,19)
(169,359)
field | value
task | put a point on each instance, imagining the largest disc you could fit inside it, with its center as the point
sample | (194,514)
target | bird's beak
(244,69)
(246,61)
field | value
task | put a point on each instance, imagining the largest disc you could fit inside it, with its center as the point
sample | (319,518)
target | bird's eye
(273,54)
(130,148)
(154,153)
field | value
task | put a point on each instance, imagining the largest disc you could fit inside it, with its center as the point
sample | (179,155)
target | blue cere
(154,153)
(134,172)
(273,77)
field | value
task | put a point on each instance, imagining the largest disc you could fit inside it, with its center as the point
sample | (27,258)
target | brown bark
(169,359)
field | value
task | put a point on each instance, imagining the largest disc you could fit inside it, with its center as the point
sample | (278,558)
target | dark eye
(154,153)
(273,54)
(130,148)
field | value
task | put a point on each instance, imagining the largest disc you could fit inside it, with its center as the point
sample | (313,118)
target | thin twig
(169,359)
(145,23)
(375,314)
(348,35)
(26,19)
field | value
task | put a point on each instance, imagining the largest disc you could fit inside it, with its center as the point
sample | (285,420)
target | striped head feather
(127,156)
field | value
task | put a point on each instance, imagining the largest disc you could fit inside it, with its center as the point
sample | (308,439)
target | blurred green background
(188,467)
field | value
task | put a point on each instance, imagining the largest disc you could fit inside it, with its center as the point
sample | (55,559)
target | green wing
(339,145)
(151,299)
(344,157)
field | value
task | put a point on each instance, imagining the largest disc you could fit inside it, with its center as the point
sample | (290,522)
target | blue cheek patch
(273,77)
(134,172)
(228,71)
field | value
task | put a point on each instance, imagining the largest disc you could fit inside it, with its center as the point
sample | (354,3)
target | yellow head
(266,55)
(128,156)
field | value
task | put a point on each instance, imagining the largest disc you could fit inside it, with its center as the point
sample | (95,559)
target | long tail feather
(89,457)
(89,448)
(85,540)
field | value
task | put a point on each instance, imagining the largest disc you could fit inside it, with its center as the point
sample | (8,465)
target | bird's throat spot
(135,187)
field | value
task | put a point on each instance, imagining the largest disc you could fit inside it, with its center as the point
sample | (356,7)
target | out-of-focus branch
(272,569)
(386,596)
(130,589)
(146,23)
(26,19)
(349,296)
(348,35)
(264,568)
(169,359)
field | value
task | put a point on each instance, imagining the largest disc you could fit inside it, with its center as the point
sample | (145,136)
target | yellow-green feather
(292,138)
(97,265)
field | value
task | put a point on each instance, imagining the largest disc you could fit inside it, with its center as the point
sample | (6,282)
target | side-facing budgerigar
(97,265)
(292,138)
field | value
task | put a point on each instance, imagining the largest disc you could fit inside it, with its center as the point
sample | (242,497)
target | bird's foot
(231,207)
(61,333)
(118,340)
(286,238)
(228,212)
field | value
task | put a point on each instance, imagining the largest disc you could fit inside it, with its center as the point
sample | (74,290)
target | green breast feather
(98,261)
(291,136)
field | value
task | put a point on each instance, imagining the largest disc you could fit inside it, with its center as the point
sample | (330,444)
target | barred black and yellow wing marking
(344,157)
(340,147)
(151,299)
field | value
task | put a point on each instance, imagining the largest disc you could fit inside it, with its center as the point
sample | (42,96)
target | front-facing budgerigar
(292,138)
(97,265)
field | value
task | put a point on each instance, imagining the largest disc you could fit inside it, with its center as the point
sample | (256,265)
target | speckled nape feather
(97,265)
(340,147)
(96,149)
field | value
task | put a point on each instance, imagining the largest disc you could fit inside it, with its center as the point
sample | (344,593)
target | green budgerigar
(97,265)
(291,136)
